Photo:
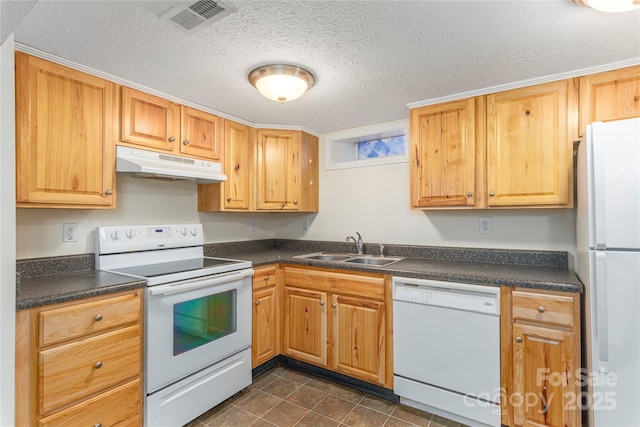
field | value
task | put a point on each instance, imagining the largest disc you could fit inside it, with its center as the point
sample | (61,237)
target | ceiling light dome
(610,5)
(281,82)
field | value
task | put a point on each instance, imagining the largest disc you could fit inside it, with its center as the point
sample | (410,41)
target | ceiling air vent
(191,17)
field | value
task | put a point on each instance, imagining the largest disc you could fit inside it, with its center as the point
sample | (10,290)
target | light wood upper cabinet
(443,154)
(149,121)
(65,136)
(202,134)
(80,362)
(158,124)
(287,171)
(529,151)
(504,150)
(540,358)
(610,95)
(237,193)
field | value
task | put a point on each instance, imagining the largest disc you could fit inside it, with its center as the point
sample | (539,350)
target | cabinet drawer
(118,407)
(82,319)
(331,281)
(264,277)
(543,308)
(82,368)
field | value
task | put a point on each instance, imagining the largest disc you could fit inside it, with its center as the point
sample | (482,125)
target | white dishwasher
(446,346)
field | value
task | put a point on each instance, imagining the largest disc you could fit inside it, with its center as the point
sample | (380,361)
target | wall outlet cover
(485,225)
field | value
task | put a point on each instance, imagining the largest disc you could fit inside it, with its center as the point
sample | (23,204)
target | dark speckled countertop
(47,281)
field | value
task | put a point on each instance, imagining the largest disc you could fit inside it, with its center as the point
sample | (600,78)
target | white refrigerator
(608,264)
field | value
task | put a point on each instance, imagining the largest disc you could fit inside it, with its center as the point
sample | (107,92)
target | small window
(382,147)
(367,146)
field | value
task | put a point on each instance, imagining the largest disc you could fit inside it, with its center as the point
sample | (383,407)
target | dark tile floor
(285,398)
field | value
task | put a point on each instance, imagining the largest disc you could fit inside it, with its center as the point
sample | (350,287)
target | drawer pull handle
(541,309)
(98,317)
(518,340)
(98,365)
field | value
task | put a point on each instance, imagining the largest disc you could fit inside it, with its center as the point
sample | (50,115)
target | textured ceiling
(371,58)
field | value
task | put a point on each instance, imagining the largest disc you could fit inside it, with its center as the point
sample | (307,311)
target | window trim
(332,141)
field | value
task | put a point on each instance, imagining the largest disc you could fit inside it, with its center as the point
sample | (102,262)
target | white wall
(375,201)
(7,235)
(138,201)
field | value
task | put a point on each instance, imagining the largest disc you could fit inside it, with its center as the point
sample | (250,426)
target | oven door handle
(200,283)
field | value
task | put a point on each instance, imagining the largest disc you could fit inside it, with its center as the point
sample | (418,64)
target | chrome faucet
(359,243)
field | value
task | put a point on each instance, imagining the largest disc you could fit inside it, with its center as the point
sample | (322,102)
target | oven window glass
(203,320)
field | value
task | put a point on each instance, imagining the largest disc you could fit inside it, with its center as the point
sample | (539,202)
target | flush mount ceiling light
(281,82)
(610,5)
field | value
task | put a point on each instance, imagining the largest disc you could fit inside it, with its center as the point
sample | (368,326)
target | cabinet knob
(518,340)
(98,365)
(171,139)
(469,194)
(98,317)
(541,309)
(228,199)
(185,142)
(333,305)
(257,302)
(108,192)
(321,302)
(295,202)
(97,425)
(491,193)
(266,278)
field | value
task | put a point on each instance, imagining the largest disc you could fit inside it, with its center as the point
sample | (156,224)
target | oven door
(194,323)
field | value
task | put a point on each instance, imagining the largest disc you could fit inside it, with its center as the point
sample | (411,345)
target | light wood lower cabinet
(540,358)
(340,321)
(80,362)
(265,335)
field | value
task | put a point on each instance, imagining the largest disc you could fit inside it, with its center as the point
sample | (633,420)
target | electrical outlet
(485,225)
(305,224)
(69,232)
(253,224)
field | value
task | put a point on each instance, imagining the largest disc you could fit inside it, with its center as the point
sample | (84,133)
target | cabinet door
(612,95)
(201,134)
(149,121)
(443,145)
(358,338)
(264,326)
(305,325)
(65,139)
(278,170)
(529,155)
(238,190)
(545,385)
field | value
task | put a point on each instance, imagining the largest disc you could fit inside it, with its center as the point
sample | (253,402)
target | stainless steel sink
(379,262)
(326,257)
(371,260)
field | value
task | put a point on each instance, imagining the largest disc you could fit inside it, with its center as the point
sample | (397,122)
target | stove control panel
(128,238)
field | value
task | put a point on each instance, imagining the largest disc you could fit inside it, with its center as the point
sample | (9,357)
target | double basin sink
(377,261)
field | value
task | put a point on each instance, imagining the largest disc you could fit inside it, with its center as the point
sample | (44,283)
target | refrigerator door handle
(598,199)
(601,312)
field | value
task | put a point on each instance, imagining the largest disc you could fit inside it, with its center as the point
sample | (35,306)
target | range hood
(149,164)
